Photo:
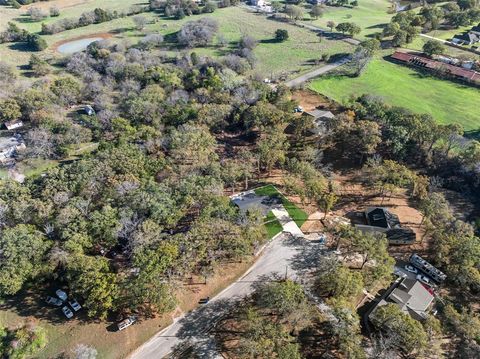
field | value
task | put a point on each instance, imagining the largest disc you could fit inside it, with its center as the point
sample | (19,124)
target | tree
(409,335)
(23,251)
(339,282)
(316,11)
(370,46)
(36,42)
(36,14)
(271,148)
(327,201)
(331,25)
(433,47)
(348,27)
(294,12)
(67,90)
(90,278)
(54,11)
(192,146)
(9,110)
(39,66)
(140,22)
(197,33)
(209,7)
(281,35)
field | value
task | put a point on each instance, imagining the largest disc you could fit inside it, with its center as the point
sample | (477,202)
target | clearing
(398,85)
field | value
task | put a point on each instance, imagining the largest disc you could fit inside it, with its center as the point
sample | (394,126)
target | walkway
(434,38)
(289,226)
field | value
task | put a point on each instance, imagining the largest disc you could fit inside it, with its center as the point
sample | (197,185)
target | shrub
(281,35)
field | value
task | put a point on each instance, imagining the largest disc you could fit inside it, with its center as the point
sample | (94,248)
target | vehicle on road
(411,269)
(53,301)
(127,322)
(423,279)
(68,313)
(74,304)
(61,294)
(204,300)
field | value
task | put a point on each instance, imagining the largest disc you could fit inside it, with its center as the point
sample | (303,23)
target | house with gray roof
(321,120)
(411,296)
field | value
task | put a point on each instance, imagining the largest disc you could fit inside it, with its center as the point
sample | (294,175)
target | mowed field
(291,57)
(446,101)
(370,15)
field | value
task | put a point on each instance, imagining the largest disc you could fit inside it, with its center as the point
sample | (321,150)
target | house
(411,296)
(321,120)
(475,30)
(457,72)
(9,146)
(13,125)
(467,38)
(380,220)
(259,3)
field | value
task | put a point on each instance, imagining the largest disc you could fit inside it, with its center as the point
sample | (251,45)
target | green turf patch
(399,85)
(298,215)
(272,225)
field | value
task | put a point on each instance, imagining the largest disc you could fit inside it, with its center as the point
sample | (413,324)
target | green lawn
(272,225)
(370,15)
(297,214)
(446,101)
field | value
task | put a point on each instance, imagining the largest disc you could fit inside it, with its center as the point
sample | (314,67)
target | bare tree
(140,22)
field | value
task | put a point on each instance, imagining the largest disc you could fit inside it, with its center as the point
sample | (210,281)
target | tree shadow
(20,46)
(200,321)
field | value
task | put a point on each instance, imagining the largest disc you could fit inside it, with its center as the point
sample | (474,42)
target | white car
(53,301)
(68,313)
(61,294)
(411,269)
(423,279)
(126,323)
(74,304)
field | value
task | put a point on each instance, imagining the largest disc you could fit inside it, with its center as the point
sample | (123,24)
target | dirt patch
(103,35)
(310,100)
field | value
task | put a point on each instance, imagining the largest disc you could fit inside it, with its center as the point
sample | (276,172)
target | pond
(76,45)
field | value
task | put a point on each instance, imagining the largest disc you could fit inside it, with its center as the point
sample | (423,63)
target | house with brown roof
(434,66)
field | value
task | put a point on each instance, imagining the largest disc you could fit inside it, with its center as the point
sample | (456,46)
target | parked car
(127,322)
(53,301)
(61,294)
(423,279)
(74,304)
(400,273)
(298,109)
(411,269)
(68,313)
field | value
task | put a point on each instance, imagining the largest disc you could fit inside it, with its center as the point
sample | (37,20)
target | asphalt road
(317,72)
(283,256)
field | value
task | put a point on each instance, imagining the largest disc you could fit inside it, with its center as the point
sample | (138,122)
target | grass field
(370,15)
(297,214)
(446,101)
(290,57)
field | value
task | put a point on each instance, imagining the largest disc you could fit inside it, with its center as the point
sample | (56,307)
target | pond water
(76,45)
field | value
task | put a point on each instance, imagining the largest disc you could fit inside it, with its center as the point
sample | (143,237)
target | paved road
(283,256)
(317,72)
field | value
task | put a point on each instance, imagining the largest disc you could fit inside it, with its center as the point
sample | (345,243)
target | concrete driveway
(283,256)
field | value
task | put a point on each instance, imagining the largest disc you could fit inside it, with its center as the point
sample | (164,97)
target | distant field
(370,15)
(446,101)
(294,55)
